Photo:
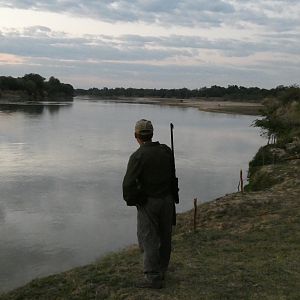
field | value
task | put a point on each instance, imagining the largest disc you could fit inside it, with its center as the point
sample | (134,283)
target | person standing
(147,185)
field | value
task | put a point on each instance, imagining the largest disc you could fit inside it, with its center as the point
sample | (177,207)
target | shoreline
(208,105)
(23,98)
(215,105)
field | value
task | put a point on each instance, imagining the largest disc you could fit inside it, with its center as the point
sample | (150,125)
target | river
(61,170)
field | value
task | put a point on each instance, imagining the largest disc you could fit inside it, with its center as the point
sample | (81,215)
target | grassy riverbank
(246,247)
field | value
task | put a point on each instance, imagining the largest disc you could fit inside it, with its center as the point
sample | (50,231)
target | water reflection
(32,109)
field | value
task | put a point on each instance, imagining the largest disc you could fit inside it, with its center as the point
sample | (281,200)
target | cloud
(39,41)
(131,74)
(36,30)
(190,12)
(276,14)
(222,41)
(10,59)
(151,61)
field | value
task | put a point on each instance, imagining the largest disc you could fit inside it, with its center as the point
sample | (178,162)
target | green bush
(261,180)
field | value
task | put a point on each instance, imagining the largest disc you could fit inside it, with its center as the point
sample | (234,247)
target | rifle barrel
(175,179)
(172,140)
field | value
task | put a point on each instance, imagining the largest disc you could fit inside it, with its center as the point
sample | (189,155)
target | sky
(153,43)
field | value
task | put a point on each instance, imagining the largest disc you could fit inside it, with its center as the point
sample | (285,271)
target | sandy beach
(233,107)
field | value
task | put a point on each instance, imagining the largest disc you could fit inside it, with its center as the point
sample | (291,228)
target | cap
(143,127)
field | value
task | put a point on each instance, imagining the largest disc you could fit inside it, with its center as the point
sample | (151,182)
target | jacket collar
(150,144)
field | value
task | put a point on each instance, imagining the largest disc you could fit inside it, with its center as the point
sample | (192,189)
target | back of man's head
(143,130)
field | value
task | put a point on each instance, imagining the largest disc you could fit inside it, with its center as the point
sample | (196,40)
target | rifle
(175,188)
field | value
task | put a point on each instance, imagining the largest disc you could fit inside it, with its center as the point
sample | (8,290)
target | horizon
(163,88)
(151,44)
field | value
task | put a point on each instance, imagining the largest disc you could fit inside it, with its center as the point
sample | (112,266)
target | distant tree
(36,78)
(34,84)
(67,89)
(52,86)
(10,83)
(31,87)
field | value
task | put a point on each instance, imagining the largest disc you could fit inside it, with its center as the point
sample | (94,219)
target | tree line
(232,92)
(35,86)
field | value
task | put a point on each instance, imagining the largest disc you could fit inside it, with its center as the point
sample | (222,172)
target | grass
(246,246)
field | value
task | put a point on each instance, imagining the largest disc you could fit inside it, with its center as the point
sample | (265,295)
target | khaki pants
(154,231)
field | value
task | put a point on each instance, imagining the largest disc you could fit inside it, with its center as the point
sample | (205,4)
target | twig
(195,214)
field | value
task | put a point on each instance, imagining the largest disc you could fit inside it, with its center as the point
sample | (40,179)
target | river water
(61,170)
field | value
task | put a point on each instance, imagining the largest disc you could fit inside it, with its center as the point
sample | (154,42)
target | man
(148,185)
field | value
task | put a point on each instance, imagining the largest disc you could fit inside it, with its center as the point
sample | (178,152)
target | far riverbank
(21,97)
(216,105)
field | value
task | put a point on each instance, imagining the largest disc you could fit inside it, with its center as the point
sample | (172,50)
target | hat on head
(143,127)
